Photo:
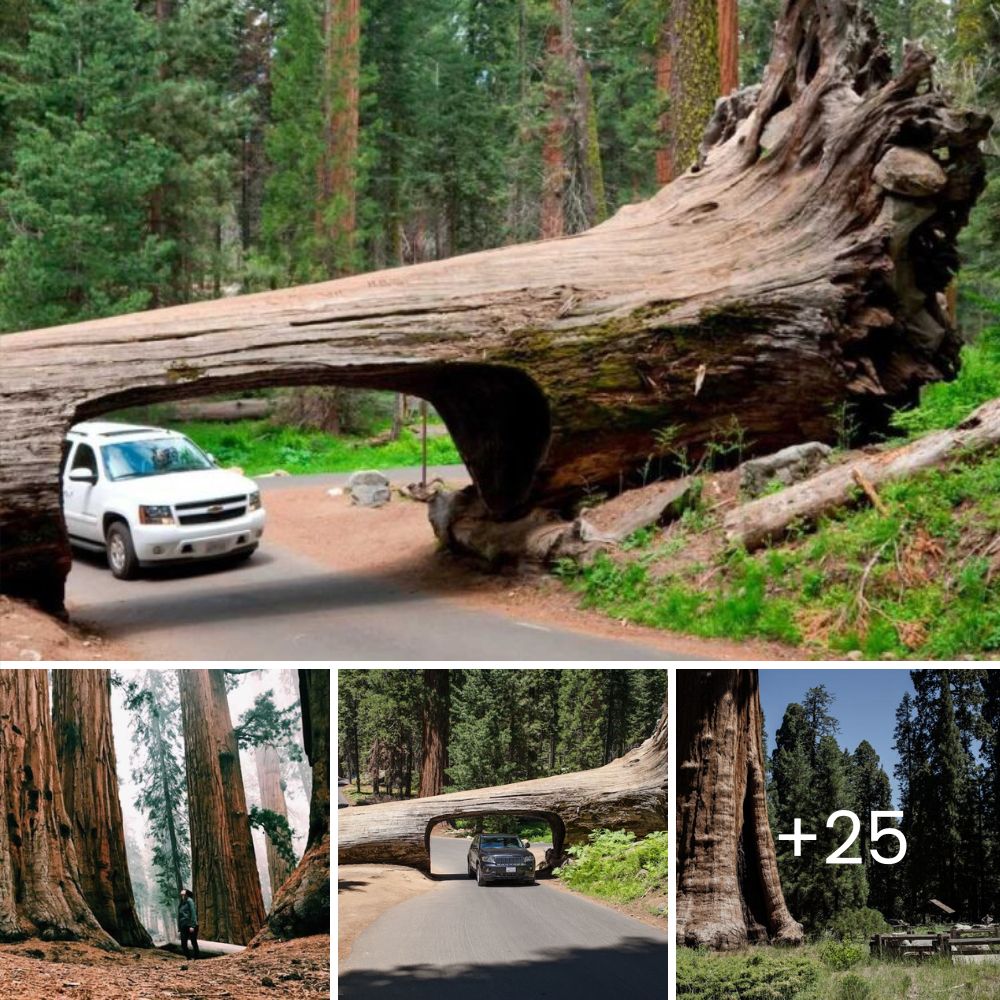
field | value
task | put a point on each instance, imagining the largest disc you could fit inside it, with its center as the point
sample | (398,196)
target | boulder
(612,522)
(786,466)
(909,172)
(369,489)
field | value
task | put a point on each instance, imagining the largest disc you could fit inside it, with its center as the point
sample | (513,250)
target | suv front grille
(506,859)
(206,512)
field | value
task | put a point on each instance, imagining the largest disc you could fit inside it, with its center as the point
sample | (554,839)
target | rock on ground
(369,488)
(786,466)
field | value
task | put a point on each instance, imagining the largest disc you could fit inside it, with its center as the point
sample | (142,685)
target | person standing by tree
(187,922)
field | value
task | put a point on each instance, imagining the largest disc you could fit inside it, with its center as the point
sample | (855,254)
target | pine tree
(871,792)
(582,715)
(74,241)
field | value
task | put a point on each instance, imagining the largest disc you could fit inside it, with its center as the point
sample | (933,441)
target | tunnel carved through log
(630,793)
(799,266)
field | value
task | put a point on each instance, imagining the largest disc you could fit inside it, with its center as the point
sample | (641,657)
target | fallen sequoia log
(630,793)
(768,519)
(206,949)
(800,264)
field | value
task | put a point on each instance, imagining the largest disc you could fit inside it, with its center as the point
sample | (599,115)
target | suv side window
(84,458)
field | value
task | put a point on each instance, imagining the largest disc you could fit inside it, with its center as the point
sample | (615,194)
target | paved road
(452,474)
(283,606)
(502,943)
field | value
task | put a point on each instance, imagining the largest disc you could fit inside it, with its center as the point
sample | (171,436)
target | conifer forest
(123,790)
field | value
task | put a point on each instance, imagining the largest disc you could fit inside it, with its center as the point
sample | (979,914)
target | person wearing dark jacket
(187,922)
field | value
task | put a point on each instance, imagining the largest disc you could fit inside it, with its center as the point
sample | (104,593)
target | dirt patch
(396,542)
(650,910)
(37,970)
(365,892)
(27,634)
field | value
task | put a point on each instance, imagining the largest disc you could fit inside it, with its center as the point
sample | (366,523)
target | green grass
(613,865)
(769,973)
(259,446)
(916,583)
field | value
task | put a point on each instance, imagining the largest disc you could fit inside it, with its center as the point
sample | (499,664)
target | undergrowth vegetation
(614,865)
(769,973)
(922,580)
(260,446)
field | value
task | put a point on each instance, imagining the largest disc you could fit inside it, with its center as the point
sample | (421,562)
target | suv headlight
(254,500)
(155,515)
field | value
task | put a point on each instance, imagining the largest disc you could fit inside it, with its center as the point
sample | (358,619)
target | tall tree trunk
(553,211)
(85,750)
(729,45)
(302,905)
(336,210)
(664,161)
(435,741)
(728,889)
(693,30)
(272,796)
(40,892)
(226,885)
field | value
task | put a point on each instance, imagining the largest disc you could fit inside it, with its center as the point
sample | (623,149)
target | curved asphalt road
(502,943)
(283,606)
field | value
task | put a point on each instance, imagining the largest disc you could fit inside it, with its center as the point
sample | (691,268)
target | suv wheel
(471,870)
(479,876)
(121,553)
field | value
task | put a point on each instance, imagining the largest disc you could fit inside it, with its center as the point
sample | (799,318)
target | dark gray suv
(500,857)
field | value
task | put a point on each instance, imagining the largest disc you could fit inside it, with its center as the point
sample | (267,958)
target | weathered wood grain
(773,281)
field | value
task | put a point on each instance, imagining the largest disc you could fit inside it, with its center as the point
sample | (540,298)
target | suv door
(79,507)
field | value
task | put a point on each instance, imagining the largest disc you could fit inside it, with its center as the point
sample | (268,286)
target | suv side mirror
(82,475)
(527,843)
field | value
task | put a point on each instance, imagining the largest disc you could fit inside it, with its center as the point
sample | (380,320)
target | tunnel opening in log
(497,417)
(556,826)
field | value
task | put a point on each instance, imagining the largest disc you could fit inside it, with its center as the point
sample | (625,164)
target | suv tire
(479,875)
(472,871)
(122,560)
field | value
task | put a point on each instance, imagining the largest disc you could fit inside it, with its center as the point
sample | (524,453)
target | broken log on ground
(800,265)
(630,793)
(768,519)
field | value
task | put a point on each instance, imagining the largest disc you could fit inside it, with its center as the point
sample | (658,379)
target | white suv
(147,495)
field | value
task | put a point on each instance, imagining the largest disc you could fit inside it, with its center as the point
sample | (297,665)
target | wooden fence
(976,941)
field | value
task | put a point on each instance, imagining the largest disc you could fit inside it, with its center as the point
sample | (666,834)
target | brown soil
(396,542)
(38,970)
(365,892)
(639,909)
(29,634)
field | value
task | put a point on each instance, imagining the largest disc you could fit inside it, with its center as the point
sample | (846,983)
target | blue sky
(865,703)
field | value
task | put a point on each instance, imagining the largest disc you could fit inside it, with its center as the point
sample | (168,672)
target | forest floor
(27,634)
(820,972)
(365,892)
(39,970)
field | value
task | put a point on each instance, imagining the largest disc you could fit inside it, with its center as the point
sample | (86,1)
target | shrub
(759,976)
(614,865)
(841,955)
(853,987)
(859,924)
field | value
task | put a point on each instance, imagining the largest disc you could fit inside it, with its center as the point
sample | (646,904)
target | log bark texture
(40,891)
(628,794)
(768,519)
(85,749)
(302,905)
(728,888)
(223,865)
(782,275)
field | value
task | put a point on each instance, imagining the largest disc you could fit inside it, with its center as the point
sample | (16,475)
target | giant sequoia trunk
(224,870)
(40,893)
(728,889)
(272,796)
(302,905)
(85,749)
(435,722)
(799,265)
(628,794)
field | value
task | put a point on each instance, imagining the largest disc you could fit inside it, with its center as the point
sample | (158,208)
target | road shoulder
(637,910)
(365,892)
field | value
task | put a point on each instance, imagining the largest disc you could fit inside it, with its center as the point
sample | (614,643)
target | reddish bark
(85,748)
(40,893)
(729,45)
(435,743)
(664,161)
(553,214)
(224,870)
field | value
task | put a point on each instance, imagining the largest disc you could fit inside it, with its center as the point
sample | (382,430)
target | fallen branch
(877,502)
(767,519)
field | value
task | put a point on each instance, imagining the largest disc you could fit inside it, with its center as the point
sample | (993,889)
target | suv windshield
(153,457)
(489,843)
